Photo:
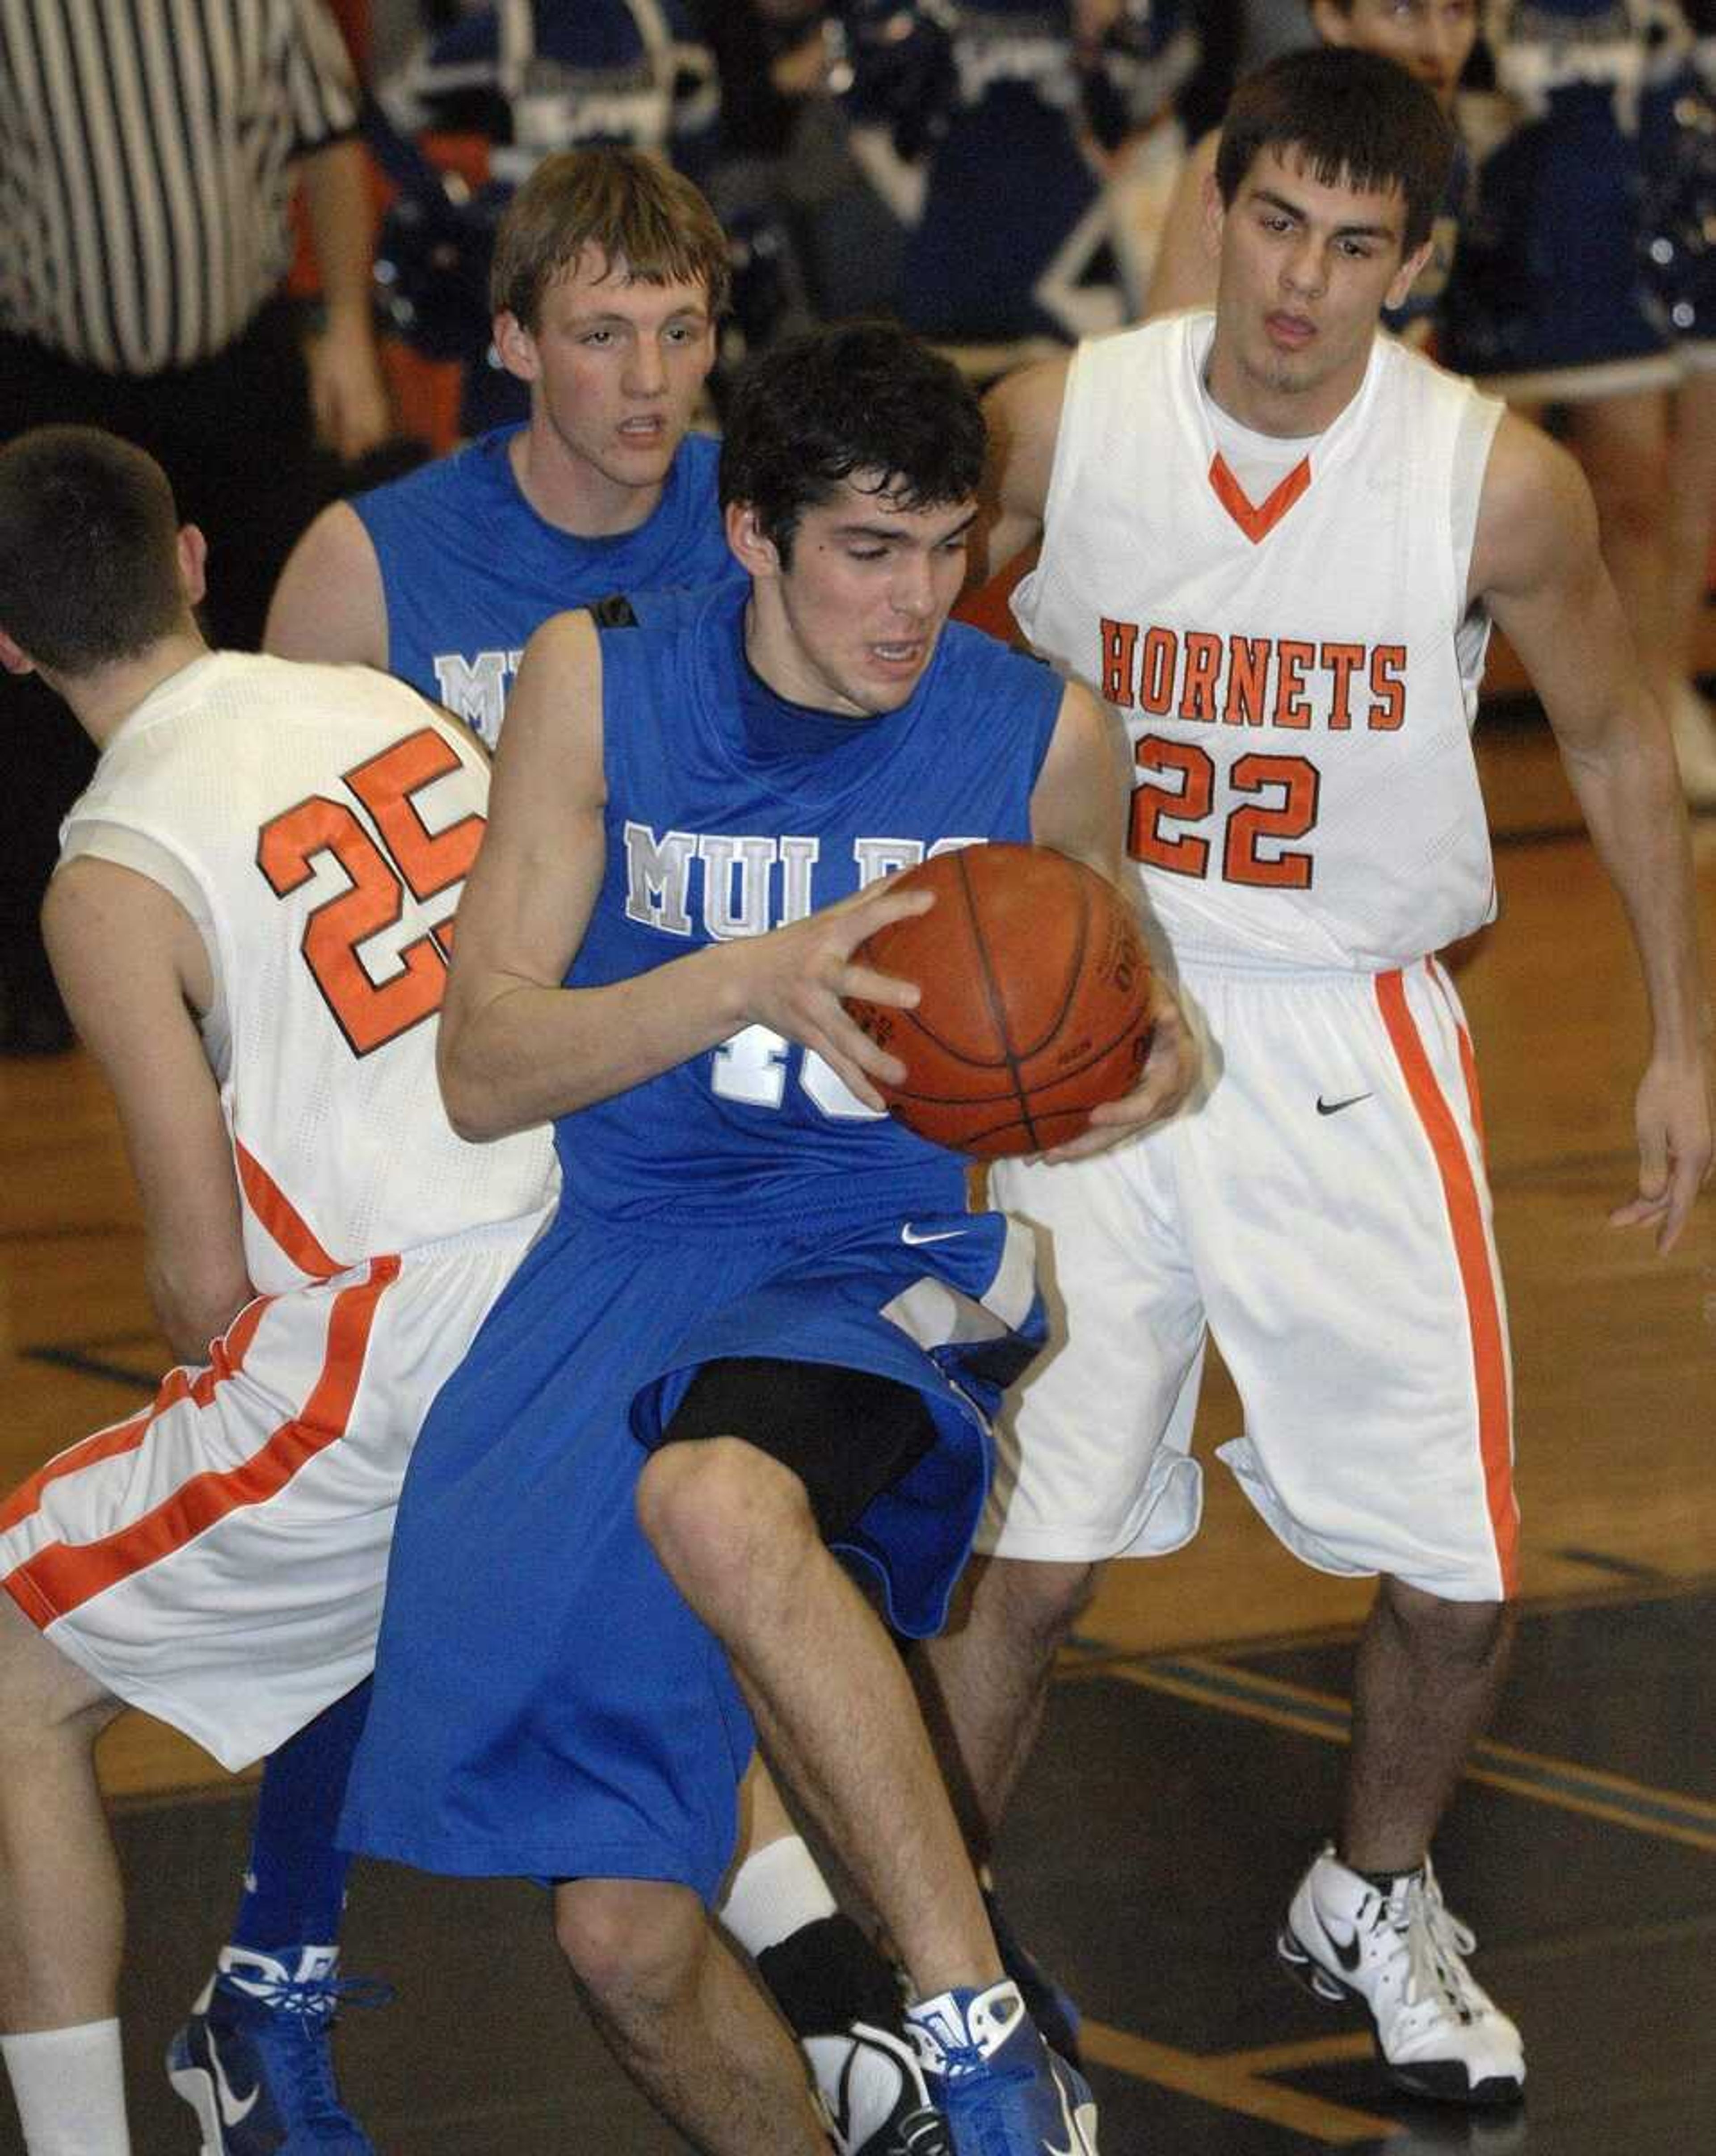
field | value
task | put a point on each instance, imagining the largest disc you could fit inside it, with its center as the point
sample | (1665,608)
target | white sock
(69,2088)
(775,1893)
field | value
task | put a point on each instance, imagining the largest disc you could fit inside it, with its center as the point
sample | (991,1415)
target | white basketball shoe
(1398,1952)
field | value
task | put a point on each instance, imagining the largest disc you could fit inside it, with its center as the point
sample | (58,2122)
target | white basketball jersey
(1298,676)
(325,818)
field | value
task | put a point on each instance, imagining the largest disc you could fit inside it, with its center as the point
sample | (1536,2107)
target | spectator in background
(532,77)
(147,158)
(1551,304)
(1010,121)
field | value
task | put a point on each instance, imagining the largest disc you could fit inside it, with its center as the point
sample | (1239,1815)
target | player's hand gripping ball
(1035,1005)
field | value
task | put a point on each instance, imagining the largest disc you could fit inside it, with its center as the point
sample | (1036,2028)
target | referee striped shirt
(145,148)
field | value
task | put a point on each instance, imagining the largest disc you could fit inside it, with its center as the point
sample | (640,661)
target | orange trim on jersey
(282,1218)
(1472,1252)
(1257,519)
(226,1357)
(62,1576)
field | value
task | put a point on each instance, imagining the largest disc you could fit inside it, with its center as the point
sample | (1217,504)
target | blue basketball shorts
(545,1703)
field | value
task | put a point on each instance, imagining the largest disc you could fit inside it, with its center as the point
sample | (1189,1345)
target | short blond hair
(632,208)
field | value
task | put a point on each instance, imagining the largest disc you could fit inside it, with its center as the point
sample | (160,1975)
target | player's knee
(1439,1629)
(1038,1604)
(633,1944)
(717,1510)
(44,1697)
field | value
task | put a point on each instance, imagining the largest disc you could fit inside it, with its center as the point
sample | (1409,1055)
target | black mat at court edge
(1170,1807)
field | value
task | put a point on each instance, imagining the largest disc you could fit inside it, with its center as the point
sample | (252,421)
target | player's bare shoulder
(330,603)
(1536,519)
(551,745)
(1023,413)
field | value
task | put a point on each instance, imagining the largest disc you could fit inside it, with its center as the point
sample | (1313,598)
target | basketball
(1034,1003)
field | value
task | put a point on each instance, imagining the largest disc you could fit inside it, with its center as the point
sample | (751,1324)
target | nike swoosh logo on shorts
(1333,1107)
(908,1234)
(233,2109)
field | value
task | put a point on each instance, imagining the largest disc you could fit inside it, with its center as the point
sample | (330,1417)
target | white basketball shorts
(1322,1209)
(219,1559)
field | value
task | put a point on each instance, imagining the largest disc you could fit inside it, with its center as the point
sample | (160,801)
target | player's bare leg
(735,1531)
(983,1681)
(1428,1673)
(1367,1923)
(685,2022)
(62,1917)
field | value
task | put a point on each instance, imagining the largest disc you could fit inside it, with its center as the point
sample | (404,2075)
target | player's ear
(516,346)
(1406,276)
(193,563)
(757,553)
(1214,215)
(12,658)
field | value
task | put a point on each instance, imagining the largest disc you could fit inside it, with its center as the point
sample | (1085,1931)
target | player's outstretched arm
(1079,807)
(127,956)
(1185,271)
(329,604)
(1536,565)
(517,1048)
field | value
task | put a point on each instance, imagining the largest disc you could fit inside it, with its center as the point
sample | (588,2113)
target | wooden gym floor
(1193,1746)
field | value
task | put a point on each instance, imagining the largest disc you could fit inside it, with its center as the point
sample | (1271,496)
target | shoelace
(306,2011)
(1435,1941)
(319,1997)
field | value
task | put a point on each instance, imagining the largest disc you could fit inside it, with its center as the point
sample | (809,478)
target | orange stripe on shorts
(1471,1251)
(226,1357)
(61,1576)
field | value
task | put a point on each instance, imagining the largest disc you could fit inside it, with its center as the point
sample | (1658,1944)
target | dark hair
(89,557)
(631,209)
(1356,120)
(817,410)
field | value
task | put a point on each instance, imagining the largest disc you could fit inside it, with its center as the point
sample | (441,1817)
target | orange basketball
(1035,999)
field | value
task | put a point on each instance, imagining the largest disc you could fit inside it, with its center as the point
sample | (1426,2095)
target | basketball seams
(1003,942)
(992,995)
(1073,979)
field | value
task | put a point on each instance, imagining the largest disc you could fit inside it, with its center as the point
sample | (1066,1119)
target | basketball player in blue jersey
(763,1321)
(1431,39)
(610,273)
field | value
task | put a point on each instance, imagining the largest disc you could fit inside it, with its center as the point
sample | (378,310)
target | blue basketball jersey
(545,1702)
(729,813)
(469,569)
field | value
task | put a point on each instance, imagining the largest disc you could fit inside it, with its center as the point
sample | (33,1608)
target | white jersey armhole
(1472,442)
(133,849)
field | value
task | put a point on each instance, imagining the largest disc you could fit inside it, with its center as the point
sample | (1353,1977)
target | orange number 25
(400,854)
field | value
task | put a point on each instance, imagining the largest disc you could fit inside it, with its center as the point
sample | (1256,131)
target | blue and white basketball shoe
(1000,2088)
(875,2094)
(254,2060)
